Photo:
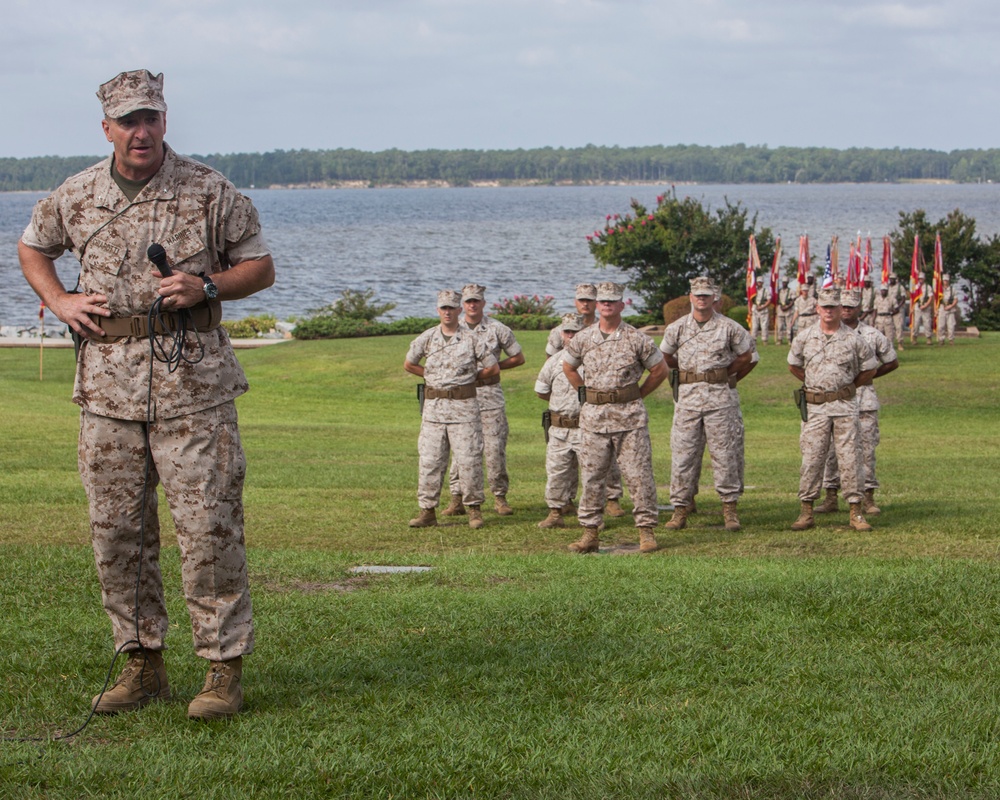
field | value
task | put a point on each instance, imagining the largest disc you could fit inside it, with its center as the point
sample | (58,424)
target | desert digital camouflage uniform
(761,312)
(784,311)
(706,413)
(901,299)
(947,318)
(868,408)
(868,295)
(499,339)
(804,310)
(923,318)
(831,362)
(615,430)
(584,291)
(447,424)
(884,311)
(204,225)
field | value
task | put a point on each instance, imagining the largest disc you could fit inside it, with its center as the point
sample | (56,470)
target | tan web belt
(843,393)
(558,420)
(624,395)
(488,381)
(203,317)
(455,393)
(720,375)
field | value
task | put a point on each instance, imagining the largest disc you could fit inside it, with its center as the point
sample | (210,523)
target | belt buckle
(136,327)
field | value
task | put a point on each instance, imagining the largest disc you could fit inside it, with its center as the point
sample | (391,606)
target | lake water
(408,243)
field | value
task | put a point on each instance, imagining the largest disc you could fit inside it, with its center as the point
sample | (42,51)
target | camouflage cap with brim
(132,91)
(850,298)
(828,297)
(572,322)
(473,291)
(449,298)
(586,291)
(702,285)
(610,291)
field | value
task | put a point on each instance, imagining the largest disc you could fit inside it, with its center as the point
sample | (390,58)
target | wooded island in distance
(556,165)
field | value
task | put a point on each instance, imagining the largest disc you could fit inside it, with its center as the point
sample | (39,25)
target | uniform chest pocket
(187,252)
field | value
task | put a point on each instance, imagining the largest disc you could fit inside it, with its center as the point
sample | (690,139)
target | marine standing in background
(455,362)
(501,341)
(761,312)
(805,311)
(900,300)
(784,311)
(868,407)
(613,419)
(176,423)
(923,313)
(884,305)
(708,350)
(586,306)
(868,302)
(947,312)
(832,361)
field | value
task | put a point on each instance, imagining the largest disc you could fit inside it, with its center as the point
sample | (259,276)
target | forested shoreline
(548,165)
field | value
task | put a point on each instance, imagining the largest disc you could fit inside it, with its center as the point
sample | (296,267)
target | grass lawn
(765,663)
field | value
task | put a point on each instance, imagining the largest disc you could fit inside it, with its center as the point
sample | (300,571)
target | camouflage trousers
(562,468)
(495,431)
(870,437)
(199,460)
(722,431)
(760,322)
(634,454)
(922,323)
(886,327)
(817,437)
(947,323)
(898,323)
(464,440)
(783,331)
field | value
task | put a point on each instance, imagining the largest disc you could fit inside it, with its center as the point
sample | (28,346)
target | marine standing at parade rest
(562,450)
(784,311)
(455,362)
(923,312)
(947,312)
(868,302)
(761,312)
(900,300)
(868,407)
(613,419)
(586,306)
(708,350)
(500,340)
(884,310)
(805,311)
(832,361)
(140,416)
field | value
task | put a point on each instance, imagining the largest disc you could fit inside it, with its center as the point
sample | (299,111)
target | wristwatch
(211,290)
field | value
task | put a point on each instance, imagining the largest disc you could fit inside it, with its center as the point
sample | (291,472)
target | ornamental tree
(661,250)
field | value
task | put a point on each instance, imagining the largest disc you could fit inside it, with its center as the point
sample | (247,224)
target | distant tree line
(591,164)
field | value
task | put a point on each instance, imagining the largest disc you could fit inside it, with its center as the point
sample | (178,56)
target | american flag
(828,272)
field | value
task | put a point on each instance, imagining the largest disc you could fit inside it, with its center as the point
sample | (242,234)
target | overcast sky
(260,75)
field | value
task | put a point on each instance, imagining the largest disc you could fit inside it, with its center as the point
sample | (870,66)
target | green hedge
(326,327)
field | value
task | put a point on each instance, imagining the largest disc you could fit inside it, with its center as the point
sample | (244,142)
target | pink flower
(608,217)
(643,223)
(650,217)
(631,228)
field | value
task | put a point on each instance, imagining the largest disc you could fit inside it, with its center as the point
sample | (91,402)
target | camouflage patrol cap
(473,291)
(828,297)
(850,298)
(610,291)
(945,276)
(702,285)
(586,291)
(449,298)
(131,91)
(572,322)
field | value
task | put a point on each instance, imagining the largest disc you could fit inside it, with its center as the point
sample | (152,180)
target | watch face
(211,290)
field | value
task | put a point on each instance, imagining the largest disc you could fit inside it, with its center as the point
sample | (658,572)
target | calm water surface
(408,243)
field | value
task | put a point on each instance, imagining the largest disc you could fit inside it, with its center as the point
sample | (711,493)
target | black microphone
(158,256)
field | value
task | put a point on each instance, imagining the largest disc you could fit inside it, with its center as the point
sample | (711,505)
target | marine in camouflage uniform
(761,312)
(868,407)
(832,361)
(613,419)
(947,312)
(586,306)
(805,311)
(868,294)
(455,361)
(134,405)
(708,350)
(500,340)
(901,299)
(784,311)
(884,311)
(923,313)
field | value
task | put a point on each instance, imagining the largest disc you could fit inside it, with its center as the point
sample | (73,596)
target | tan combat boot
(475,517)
(426,519)
(869,503)
(568,510)
(500,504)
(858,521)
(693,508)
(588,543)
(679,519)
(729,515)
(222,695)
(806,519)
(143,679)
(829,504)
(553,520)
(613,509)
(647,541)
(455,507)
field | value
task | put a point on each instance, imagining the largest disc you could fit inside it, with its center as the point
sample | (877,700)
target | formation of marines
(598,370)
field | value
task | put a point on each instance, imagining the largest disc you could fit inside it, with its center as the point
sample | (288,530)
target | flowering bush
(521,304)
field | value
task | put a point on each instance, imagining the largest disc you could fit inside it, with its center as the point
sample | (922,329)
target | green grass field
(765,663)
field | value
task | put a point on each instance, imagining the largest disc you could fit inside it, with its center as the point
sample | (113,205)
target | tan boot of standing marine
(858,521)
(143,679)
(613,509)
(553,520)
(588,542)
(501,506)
(455,507)
(222,695)
(678,520)
(647,541)
(869,503)
(475,517)
(806,519)
(426,519)
(829,504)
(729,516)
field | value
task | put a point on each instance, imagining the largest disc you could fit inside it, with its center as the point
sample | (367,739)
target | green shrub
(527,322)
(249,327)
(525,304)
(738,313)
(328,327)
(354,305)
